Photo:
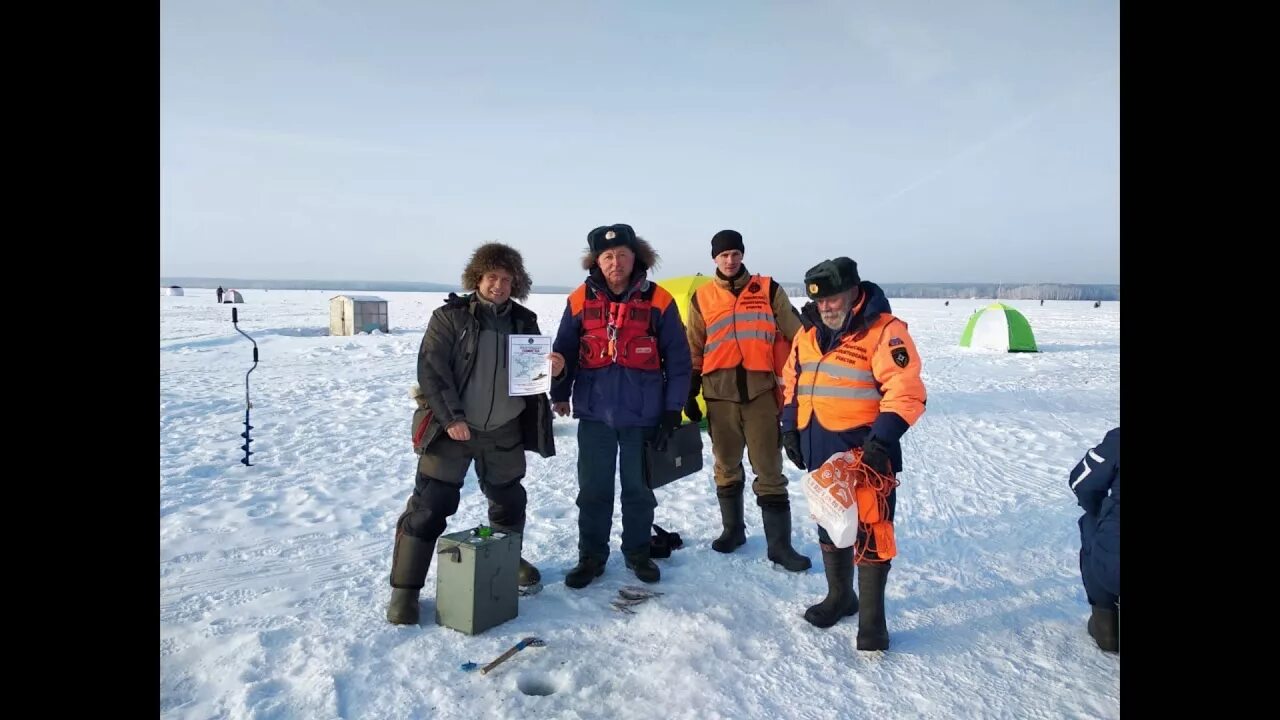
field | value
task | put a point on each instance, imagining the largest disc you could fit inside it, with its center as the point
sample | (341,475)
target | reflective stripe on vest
(838,386)
(740,330)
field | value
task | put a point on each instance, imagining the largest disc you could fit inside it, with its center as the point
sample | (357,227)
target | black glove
(791,443)
(692,410)
(875,455)
(666,428)
(691,406)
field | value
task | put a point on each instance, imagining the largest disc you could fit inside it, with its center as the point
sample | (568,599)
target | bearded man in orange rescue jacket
(852,380)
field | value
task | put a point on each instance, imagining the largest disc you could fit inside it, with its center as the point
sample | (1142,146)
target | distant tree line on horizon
(999,291)
(996,291)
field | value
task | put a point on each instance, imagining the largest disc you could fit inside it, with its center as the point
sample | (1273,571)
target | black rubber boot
(840,600)
(734,534)
(777,531)
(1104,627)
(873,633)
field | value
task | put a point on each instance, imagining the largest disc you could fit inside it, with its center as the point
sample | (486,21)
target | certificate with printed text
(528,367)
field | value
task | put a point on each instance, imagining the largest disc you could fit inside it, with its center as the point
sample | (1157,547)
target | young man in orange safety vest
(852,380)
(740,328)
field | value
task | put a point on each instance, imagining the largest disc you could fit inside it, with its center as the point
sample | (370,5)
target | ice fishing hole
(539,684)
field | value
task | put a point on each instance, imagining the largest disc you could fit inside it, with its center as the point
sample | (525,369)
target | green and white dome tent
(999,327)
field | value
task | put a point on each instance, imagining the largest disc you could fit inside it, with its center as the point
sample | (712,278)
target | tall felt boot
(410,562)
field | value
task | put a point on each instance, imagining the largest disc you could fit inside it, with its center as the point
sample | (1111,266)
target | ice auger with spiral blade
(248,405)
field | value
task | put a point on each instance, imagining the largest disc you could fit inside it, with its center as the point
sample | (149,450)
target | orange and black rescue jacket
(626,357)
(841,386)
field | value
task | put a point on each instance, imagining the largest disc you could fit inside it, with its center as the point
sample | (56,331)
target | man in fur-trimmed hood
(646,258)
(626,367)
(496,256)
(467,414)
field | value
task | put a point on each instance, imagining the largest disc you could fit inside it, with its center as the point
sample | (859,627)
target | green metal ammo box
(476,580)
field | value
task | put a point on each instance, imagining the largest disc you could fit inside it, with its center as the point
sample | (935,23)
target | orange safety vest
(839,386)
(781,349)
(740,330)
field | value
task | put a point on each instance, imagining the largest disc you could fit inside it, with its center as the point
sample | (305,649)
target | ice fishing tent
(998,327)
(351,314)
(174,290)
(231,296)
(682,289)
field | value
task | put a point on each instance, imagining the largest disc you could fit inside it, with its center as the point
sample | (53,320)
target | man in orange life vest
(735,324)
(852,380)
(622,355)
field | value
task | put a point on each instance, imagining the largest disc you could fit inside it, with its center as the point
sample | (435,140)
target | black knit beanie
(726,240)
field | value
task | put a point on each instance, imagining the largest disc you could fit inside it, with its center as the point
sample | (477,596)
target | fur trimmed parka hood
(496,255)
(646,257)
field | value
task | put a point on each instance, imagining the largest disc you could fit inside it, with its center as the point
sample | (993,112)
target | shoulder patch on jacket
(900,357)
